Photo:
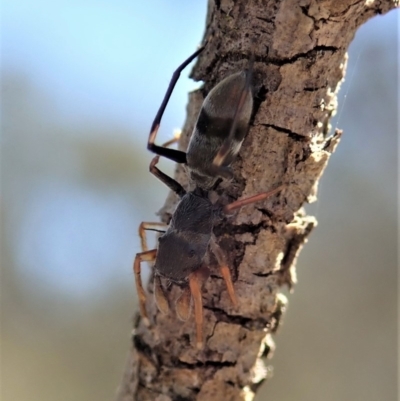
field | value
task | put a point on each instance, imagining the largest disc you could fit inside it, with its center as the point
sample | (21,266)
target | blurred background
(81,82)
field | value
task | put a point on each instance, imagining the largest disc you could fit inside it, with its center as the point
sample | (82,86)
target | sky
(107,64)
(102,60)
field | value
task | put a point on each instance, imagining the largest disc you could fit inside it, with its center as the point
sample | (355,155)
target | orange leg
(147,226)
(223,265)
(148,256)
(167,144)
(195,282)
(183,304)
(226,274)
(159,296)
(252,199)
(175,139)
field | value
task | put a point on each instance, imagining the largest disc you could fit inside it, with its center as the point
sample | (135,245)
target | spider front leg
(172,154)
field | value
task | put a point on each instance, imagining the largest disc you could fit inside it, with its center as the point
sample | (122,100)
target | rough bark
(300,58)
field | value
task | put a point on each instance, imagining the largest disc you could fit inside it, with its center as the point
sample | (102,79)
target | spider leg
(167,180)
(252,199)
(195,290)
(159,296)
(183,304)
(223,265)
(174,139)
(172,154)
(148,226)
(148,256)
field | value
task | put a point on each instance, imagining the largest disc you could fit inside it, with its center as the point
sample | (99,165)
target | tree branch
(300,59)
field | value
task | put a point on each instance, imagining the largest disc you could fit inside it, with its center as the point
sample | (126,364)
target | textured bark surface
(300,57)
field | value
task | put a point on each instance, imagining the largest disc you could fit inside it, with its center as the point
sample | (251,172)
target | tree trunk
(300,58)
